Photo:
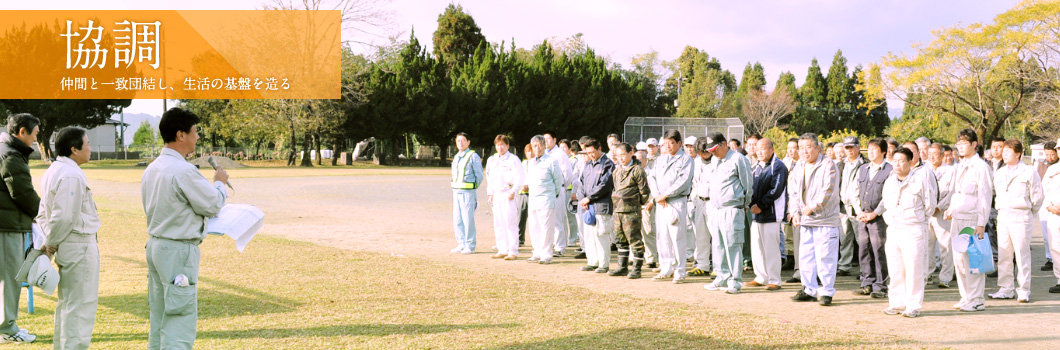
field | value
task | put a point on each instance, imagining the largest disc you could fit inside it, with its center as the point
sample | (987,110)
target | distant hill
(134,120)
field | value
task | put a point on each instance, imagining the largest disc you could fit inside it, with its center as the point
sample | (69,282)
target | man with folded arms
(1019,196)
(972,188)
(68,218)
(814,207)
(767,209)
(908,201)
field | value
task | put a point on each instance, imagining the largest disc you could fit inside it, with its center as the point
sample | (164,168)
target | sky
(781,35)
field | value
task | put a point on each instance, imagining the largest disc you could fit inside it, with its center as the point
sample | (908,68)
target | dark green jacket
(19,202)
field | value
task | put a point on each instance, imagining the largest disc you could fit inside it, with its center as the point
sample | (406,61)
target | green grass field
(283,294)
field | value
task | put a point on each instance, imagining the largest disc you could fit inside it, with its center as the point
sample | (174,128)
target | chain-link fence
(638,129)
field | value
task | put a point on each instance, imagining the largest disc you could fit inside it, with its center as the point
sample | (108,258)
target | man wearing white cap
(690,150)
(640,152)
(1051,184)
(651,250)
(671,182)
(68,217)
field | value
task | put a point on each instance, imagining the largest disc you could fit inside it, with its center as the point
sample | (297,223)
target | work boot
(635,273)
(789,263)
(623,262)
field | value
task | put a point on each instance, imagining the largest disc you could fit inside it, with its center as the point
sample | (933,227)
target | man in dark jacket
(595,192)
(630,193)
(872,230)
(767,210)
(19,203)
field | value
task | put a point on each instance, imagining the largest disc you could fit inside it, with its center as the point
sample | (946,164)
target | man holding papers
(177,200)
(68,217)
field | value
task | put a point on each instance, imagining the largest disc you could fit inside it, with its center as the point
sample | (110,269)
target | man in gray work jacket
(177,200)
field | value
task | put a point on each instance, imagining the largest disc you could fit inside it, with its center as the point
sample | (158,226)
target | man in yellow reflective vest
(467,175)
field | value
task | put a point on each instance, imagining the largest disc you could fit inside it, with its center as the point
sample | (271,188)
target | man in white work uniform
(177,200)
(504,177)
(972,188)
(560,210)
(68,218)
(1019,196)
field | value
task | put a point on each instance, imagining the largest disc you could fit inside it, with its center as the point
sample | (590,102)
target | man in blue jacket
(467,175)
(767,210)
(595,191)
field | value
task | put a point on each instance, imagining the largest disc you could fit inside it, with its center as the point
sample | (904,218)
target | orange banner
(263,54)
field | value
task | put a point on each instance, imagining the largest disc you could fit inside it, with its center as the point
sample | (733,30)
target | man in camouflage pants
(631,191)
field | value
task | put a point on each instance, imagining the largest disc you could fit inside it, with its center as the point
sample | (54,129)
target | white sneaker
(22,337)
(911,313)
(466,251)
(545,261)
(960,304)
(1023,297)
(711,287)
(1002,295)
(732,291)
(457,249)
(973,307)
(678,279)
(892,310)
(661,277)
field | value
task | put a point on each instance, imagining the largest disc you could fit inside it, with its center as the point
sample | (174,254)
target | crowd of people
(904,213)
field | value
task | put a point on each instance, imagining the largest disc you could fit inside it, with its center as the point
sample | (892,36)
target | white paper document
(238,221)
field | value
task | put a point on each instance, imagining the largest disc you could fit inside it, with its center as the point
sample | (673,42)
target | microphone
(213,164)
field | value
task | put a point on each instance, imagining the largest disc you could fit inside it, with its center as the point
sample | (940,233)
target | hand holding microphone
(220,174)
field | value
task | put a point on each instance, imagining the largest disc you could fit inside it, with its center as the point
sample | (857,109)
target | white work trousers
(765,252)
(907,258)
(1014,238)
(542,229)
(670,236)
(506,224)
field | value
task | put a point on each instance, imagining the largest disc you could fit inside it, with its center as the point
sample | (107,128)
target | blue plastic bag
(980,255)
(590,216)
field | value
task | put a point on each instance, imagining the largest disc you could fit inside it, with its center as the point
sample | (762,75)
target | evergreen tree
(839,113)
(457,36)
(812,103)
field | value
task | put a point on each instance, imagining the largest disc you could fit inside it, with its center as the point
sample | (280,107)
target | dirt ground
(411,215)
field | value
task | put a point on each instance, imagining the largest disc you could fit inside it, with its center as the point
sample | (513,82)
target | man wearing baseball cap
(851,160)
(730,193)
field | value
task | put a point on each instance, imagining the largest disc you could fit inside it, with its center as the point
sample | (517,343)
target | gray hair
(812,137)
(538,138)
